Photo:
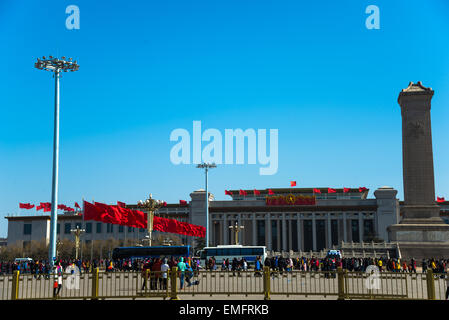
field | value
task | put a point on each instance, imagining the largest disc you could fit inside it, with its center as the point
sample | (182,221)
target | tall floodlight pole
(206,167)
(56,66)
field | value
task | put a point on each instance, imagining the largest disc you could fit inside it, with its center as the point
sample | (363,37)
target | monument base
(421,241)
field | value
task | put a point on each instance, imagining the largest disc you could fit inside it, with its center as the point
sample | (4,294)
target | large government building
(296,219)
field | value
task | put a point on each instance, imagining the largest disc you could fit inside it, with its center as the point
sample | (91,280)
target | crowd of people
(352,264)
(40,268)
(277,263)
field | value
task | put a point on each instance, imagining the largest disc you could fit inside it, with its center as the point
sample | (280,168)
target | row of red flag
(270,192)
(134,218)
(46,206)
(315,190)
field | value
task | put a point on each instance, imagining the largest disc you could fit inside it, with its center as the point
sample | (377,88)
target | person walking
(57,284)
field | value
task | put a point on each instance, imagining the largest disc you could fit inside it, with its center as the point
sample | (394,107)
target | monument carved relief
(415,129)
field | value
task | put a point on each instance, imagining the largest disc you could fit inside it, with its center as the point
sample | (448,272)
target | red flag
(135,218)
(164,204)
(361,189)
(92,212)
(61,206)
(330,190)
(174,226)
(242,192)
(316,190)
(121,204)
(229,193)
(182,202)
(46,206)
(270,192)
(440,199)
(39,208)
(256,192)
(26,206)
(292,183)
(77,205)
(109,214)
(346,190)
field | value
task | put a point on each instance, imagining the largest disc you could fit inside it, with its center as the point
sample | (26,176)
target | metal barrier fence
(339,284)
(304,283)
(224,283)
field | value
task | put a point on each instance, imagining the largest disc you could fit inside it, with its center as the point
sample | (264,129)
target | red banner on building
(290,200)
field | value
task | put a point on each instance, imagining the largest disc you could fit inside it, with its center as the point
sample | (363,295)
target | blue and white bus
(150,252)
(223,252)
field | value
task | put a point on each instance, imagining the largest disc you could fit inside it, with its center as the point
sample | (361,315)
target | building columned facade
(326,220)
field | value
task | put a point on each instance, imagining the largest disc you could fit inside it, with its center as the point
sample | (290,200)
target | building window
(27,228)
(109,228)
(320,234)
(368,230)
(67,227)
(294,236)
(89,227)
(141,230)
(99,224)
(260,232)
(274,235)
(130,229)
(79,225)
(308,235)
(355,230)
(334,232)
(120,229)
(58,228)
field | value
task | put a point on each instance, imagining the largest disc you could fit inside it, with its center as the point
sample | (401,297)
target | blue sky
(312,70)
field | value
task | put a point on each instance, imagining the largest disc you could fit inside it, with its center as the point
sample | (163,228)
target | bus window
(234,252)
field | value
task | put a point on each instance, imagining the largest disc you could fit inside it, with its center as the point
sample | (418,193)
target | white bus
(223,252)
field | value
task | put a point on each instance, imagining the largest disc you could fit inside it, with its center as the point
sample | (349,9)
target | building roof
(294,208)
(299,190)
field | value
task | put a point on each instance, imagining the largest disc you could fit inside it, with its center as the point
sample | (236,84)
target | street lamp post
(206,167)
(77,232)
(236,228)
(151,205)
(56,66)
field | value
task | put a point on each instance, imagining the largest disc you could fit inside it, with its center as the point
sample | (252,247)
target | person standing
(145,267)
(447,287)
(164,269)
(182,270)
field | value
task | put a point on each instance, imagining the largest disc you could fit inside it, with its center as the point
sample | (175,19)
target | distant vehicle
(223,252)
(22,260)
(150,252)
(333,254)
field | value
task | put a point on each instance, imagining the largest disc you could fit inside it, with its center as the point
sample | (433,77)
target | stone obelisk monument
(421,233)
